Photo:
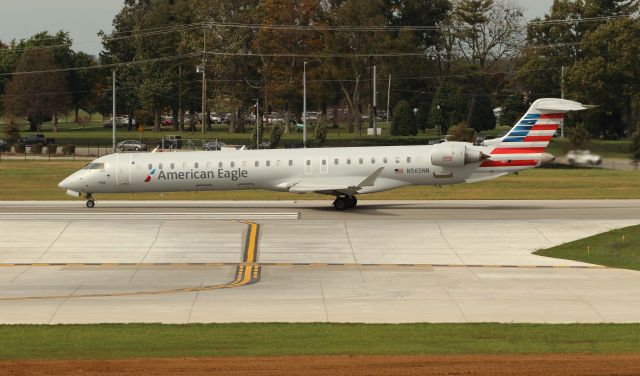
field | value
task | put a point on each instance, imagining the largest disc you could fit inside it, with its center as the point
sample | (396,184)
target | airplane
(341,172)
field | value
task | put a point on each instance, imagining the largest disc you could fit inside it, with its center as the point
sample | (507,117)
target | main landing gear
(91,202)
(345,202)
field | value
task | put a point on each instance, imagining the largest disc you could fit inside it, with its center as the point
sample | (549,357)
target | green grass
(608,249)
(154,340)
(38,180)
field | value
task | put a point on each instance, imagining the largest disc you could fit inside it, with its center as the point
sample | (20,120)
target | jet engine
(455,154)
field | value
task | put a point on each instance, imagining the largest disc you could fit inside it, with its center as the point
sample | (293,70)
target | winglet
(371,179)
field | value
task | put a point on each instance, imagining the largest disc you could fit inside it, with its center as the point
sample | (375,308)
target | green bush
(320,131)
(19,148)
(52,149)
(68,149)
(12,133)
(403,122)
(36,149)
(276,133)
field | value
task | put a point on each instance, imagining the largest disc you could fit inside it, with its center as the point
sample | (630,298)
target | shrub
(68,149)
(579,137)
(36,149)
(12,133)
(462,133)
(320,131)
(52,149)
(19,148)
(276,134)
(144,117)
(403,122)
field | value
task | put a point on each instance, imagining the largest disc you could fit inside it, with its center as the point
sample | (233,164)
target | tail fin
(524,145)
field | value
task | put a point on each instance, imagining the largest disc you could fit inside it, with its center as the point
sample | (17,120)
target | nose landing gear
(91,202)
(345,202)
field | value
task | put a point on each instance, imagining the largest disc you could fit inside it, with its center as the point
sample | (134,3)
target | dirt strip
(565,365)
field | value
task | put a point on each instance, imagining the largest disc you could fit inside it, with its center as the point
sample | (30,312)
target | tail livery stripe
(510,163)
(537,138)
(518,151)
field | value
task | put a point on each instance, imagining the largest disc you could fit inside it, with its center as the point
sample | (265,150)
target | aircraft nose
(65,184)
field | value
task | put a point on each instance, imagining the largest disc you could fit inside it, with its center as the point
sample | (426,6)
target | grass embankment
(618,248)
(38,180)
(155,340)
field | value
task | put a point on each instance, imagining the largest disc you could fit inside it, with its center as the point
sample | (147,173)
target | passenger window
(150,166)
(233,164)
(220,164)
(160,166)
(172,166)
(373,161)
(361,161)
(257,163)
(324,162)
(335,161)
(195,165)
(408,159)
(308,162)
(385,160)
(348,160)
(397,159)
(290,162)
(268,163)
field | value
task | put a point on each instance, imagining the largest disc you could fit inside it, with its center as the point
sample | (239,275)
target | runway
(391,262)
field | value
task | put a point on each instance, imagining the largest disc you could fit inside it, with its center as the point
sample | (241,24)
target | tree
(481,116)
(37,96)
(403,122)
(579,137)
(635,148)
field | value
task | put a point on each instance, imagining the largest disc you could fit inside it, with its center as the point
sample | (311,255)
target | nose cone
(65,184)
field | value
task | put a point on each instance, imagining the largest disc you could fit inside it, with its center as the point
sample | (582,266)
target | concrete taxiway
(181,262)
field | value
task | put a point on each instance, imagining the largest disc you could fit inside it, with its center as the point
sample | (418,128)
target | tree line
(449,62)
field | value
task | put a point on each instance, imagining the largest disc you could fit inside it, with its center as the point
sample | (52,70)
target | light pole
(257,124)
(304,105)
(439,121)
(113,109)
(375,103)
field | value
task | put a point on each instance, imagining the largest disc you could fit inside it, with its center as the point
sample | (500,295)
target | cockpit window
(94,166)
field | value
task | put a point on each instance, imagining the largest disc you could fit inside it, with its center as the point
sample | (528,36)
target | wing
(348,185)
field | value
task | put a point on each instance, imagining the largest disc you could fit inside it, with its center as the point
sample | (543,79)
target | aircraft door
(324,165)
(308,166)
(123,169)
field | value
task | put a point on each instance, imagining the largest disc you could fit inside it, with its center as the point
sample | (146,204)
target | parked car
(131,145)
(4,146)
(216,119)
(167,120)
(583,157)
(119,123)
(37,138)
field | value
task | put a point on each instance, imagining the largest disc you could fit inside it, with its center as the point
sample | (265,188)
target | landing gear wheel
(340,203)
(91,204)
(353,201)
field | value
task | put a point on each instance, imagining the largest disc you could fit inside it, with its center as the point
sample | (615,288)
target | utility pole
(204,78)
(113,108)
(375,103)
(388,98)
(180,117)
(257,124)
(304,105)
(562,96)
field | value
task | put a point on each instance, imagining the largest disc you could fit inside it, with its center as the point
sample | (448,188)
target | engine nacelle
(455,154)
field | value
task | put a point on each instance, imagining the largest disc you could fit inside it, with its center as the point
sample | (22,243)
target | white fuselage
(277,170)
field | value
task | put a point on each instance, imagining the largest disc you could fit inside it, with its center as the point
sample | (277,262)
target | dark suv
(38,138)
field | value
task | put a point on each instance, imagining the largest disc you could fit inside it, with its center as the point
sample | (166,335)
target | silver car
(131,145)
